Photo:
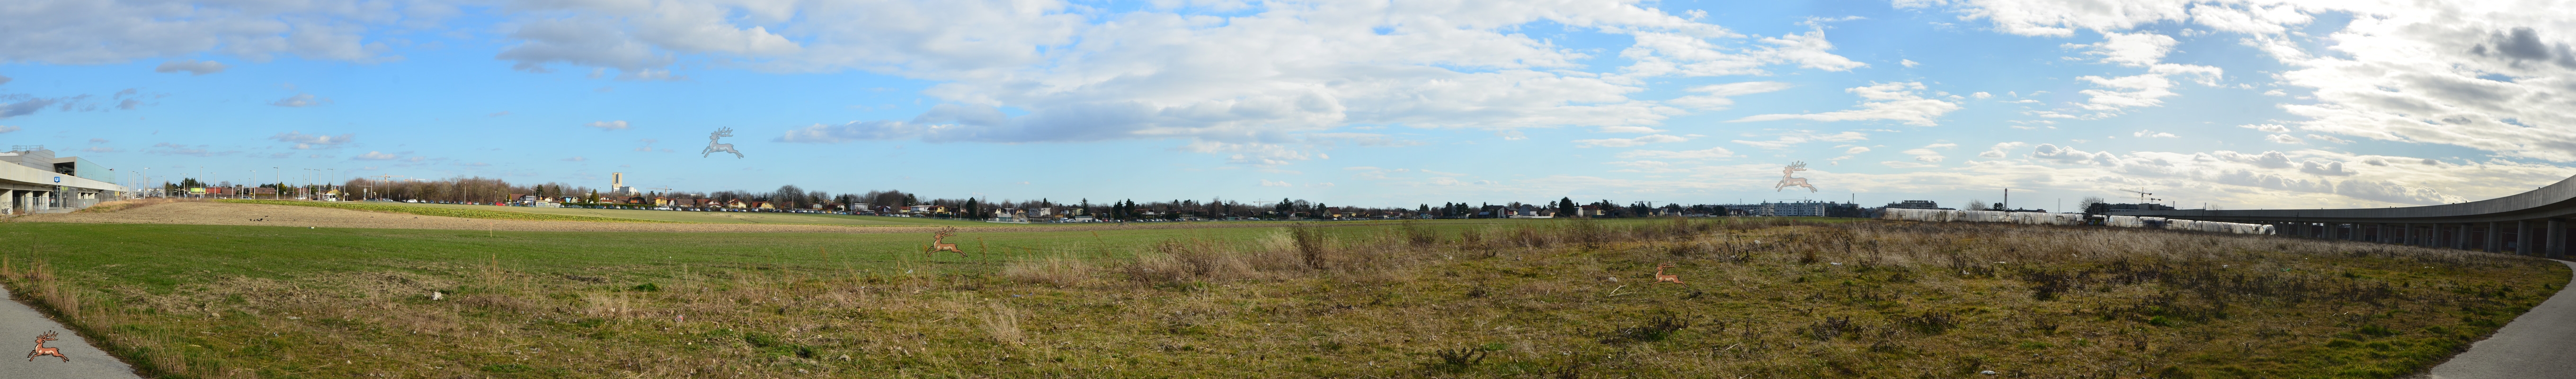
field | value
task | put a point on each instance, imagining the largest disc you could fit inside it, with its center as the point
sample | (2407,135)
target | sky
(2224,104)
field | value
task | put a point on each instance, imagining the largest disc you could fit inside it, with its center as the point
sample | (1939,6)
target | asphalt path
(19,326)
(2535,345)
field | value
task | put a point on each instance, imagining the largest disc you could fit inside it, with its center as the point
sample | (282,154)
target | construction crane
(2143,195)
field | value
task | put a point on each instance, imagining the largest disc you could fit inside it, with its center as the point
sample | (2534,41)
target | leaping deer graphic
(713,147)
(41,350)
(1787,181)
(937,246)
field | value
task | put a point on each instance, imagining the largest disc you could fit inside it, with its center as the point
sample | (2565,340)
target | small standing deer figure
(713,147)
(1661,278)
(936,246)
(1787,181)
(41,350)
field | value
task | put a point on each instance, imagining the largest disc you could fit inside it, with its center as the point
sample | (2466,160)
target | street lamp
(308,184)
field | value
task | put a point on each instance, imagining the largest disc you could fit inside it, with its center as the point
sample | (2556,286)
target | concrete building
(33,180)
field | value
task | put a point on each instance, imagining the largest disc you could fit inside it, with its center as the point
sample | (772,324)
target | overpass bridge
(2530,223)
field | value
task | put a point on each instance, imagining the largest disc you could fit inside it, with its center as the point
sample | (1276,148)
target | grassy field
(698,217)
(1480,298)
(489,213)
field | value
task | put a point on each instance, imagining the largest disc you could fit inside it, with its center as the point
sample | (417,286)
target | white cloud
(1856,150)
(192,67)
(1926,155)
(2283,138)
(1909,63)
(2328,138)
(1627,142)
(1981,95)
(2151,134)
(576,159)
(1716,96)
(314,141)
(8,128)
(1689,52)
(1708,153)
(1904,164)
(1074,74)
(608,125)
(1071,72)
(1268,183)
(2131,49)
(2326,168)
(2061,19)
(2069,155)
(2274,128)
(375,156)
(2001,150)
(103,32)
(1799,137)
(300,100)
(2268,159)
(2474,75)
(1900,101)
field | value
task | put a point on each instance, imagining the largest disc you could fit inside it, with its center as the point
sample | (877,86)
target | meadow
(1764,298)
(628,215)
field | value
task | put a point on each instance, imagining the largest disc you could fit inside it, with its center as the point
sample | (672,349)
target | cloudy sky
(2235,104)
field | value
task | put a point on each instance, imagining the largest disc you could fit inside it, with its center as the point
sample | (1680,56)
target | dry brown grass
(1763,299)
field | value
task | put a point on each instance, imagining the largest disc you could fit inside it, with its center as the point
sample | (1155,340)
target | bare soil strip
(210,213)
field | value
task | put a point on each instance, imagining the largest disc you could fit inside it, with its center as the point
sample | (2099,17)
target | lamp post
(308,183)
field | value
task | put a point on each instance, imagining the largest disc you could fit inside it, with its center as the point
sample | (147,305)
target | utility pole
(380,182)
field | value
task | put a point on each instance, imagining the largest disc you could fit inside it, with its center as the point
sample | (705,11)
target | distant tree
(1976,205)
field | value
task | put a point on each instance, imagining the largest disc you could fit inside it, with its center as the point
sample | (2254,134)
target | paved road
(2535,345)
(19,326)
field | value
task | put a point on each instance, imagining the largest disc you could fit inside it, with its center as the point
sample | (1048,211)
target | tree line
(491,190)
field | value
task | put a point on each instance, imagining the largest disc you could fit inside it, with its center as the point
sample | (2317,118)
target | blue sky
(2228,103)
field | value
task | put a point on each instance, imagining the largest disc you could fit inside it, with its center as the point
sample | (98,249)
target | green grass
(437,211)
(1463,298)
